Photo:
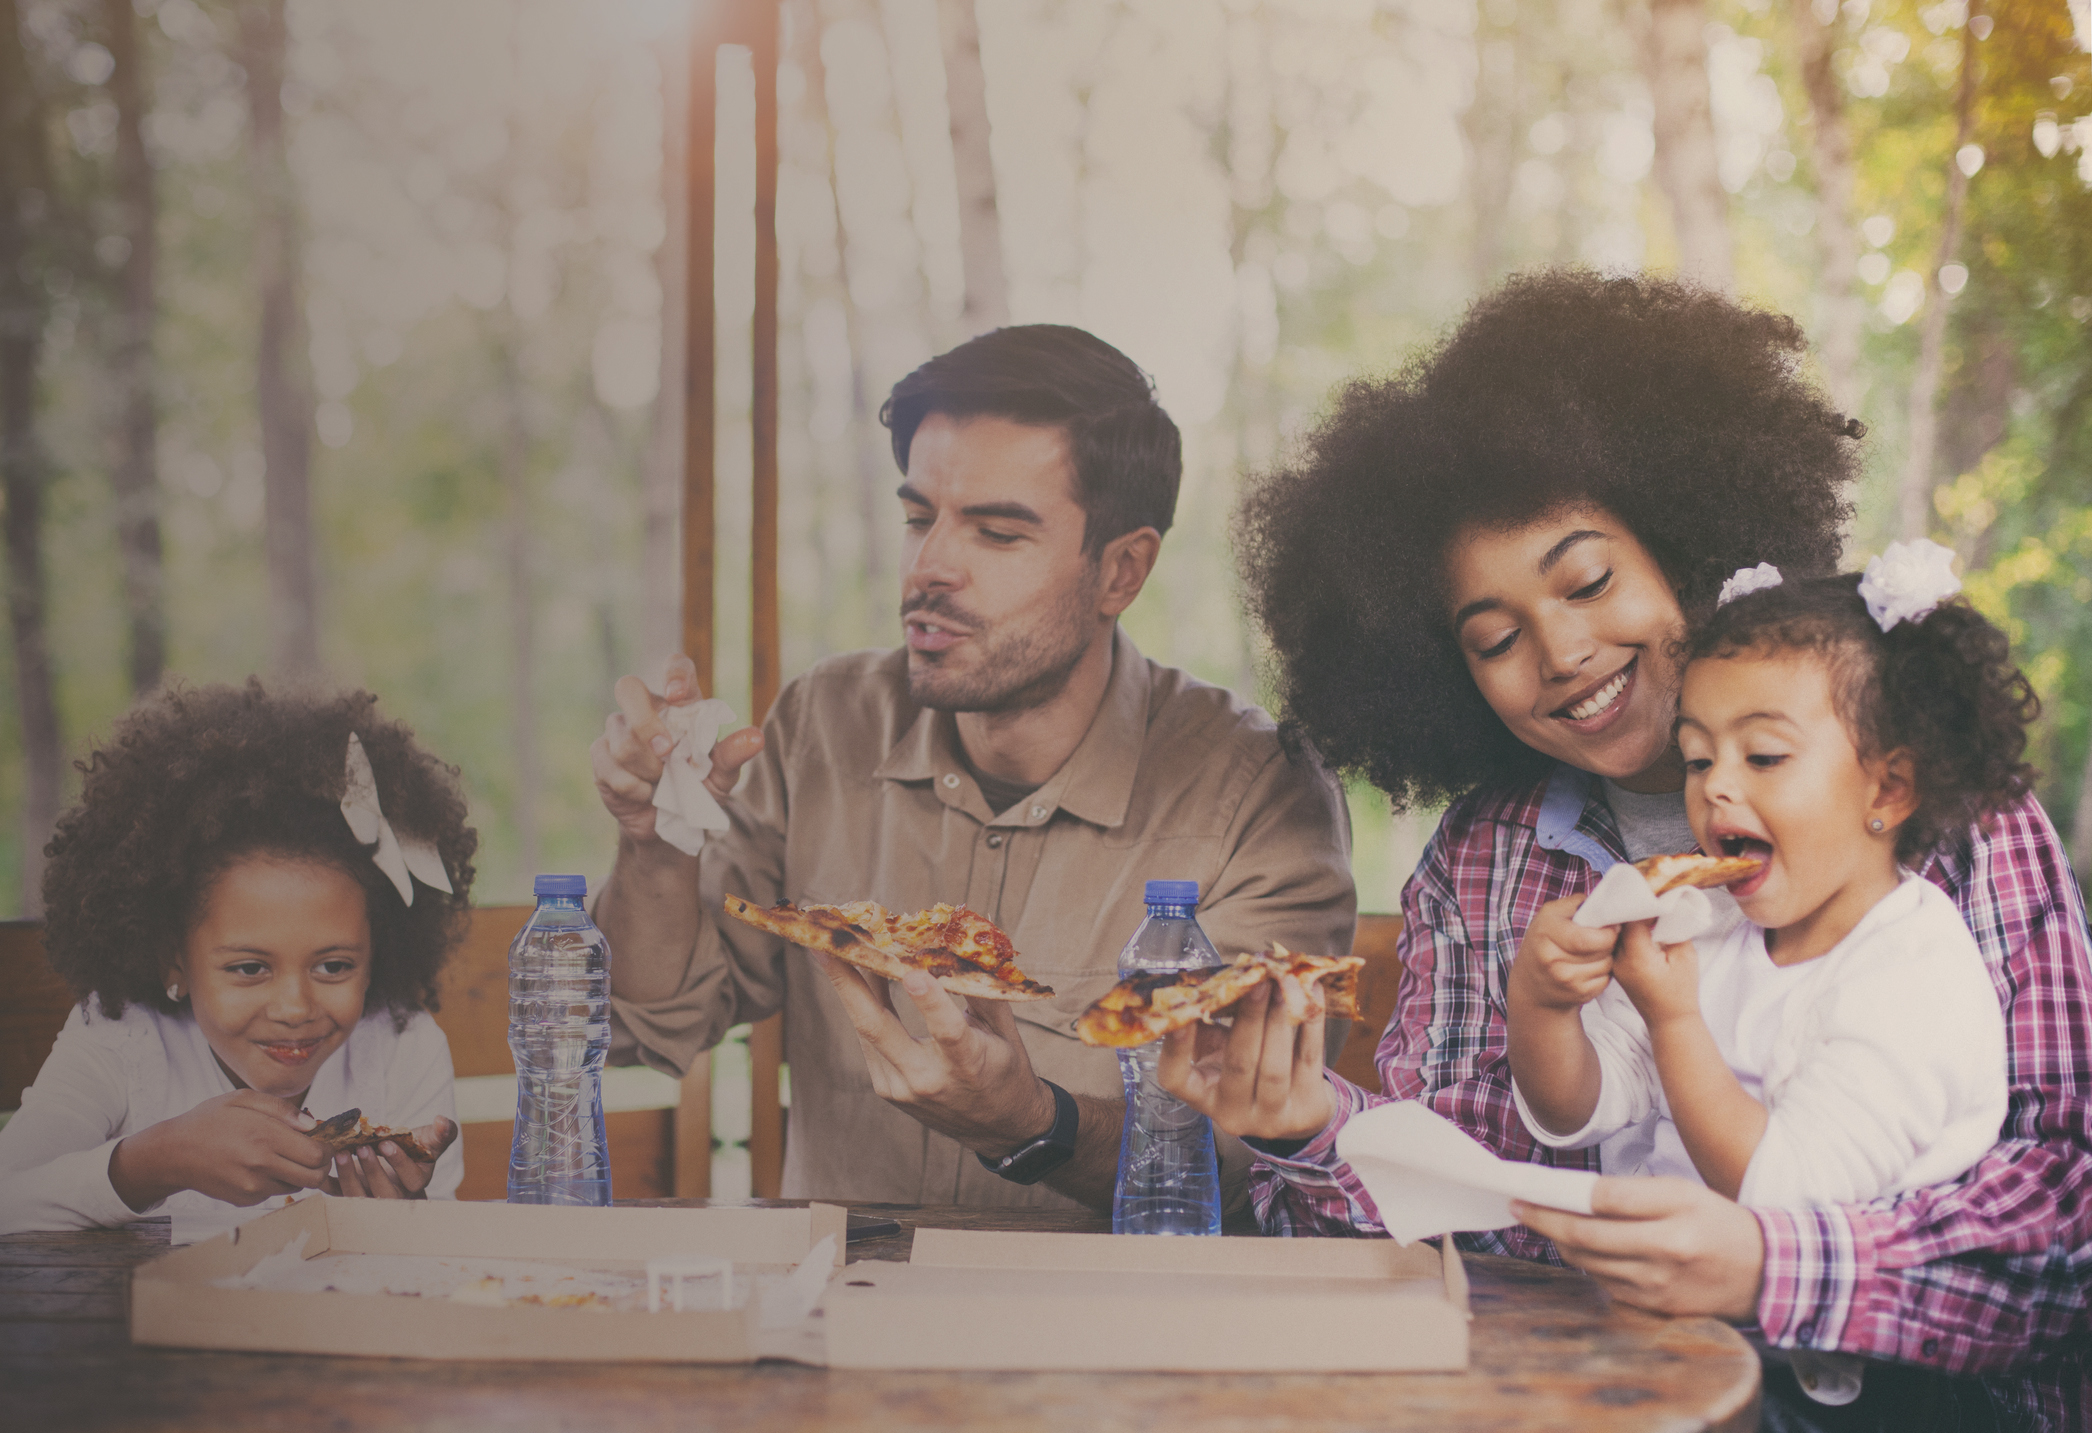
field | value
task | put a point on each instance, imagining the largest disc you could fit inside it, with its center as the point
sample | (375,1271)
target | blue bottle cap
(560,886)
(1173,893)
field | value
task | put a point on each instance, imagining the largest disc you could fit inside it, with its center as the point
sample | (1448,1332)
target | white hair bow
(1907,581)
(400,859)
(1746,580)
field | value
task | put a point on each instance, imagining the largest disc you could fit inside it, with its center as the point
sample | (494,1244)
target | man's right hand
(627,758)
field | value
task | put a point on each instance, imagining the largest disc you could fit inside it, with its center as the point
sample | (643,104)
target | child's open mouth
(1755,849)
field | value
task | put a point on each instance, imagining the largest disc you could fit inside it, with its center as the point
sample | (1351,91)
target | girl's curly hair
(1944,690)
(194,779)
(1678,411)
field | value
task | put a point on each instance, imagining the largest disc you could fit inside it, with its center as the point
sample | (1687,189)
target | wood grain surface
(1550,1351)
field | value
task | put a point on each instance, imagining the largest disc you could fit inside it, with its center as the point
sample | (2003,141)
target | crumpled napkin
(1623,895)
(1427,1177)
(683,805)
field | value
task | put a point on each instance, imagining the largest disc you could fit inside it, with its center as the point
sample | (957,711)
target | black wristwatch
(1030,1163)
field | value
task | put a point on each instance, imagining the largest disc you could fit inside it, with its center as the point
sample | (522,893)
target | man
(1018,756)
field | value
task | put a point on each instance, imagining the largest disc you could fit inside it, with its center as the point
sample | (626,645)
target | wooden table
(1550,1351)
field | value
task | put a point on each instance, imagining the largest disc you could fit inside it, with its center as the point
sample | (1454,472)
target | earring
(174,991)
(1875,825)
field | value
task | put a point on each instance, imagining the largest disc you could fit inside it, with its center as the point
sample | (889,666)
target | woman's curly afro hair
(194,779)
(1943,690)
(1678,411)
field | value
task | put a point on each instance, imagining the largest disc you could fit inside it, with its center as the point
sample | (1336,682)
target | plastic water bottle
(559,1032)
(1169,1180)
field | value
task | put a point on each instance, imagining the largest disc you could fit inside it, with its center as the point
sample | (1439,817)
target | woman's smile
(1599,708)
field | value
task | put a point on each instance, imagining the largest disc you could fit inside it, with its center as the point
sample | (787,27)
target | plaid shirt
(1984,1275)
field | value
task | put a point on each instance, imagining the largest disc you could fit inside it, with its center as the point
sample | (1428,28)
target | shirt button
(1931,1347)
(951,780)
(994,840)
(1805,1333)
(1038,812)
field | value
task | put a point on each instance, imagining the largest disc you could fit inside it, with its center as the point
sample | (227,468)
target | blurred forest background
(334,338)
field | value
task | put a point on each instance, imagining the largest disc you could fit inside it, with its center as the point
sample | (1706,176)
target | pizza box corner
(178,1300)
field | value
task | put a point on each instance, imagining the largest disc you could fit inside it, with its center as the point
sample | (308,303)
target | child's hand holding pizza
(243,1147)
(1663,981)
(392,1169)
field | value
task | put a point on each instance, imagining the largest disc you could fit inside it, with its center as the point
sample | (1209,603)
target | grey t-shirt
(1650,825)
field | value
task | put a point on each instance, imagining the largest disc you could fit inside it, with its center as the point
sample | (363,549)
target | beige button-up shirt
(859,794)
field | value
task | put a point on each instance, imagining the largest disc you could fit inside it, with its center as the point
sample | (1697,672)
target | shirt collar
(1574,818)
(1094,784)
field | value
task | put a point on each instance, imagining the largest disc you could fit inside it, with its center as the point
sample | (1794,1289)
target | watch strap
(1029,1163)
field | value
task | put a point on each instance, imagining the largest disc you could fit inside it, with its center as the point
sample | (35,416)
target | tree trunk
(1674,58)
(1837,240)
(1491,123)
(660,553)
(980,223)
(25,189)
(515,540)
(2081,825)
(868,448)
(136,477)
(1914,493)
(283,391)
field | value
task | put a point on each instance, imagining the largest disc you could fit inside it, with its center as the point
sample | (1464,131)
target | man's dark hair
(1128,457)
(1682,413)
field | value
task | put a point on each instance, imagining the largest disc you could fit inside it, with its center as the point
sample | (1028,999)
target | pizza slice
(350,1130)
(1690,868)
(1142,1008)
(960,949)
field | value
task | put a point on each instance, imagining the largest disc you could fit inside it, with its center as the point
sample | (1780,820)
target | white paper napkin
(683,804)
(1623,895)
(1428,1178)
(789,1301)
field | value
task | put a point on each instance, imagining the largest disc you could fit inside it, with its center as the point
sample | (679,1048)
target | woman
(1473,578)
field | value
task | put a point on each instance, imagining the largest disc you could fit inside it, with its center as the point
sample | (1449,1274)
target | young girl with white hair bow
(252,903)
(1836,1036)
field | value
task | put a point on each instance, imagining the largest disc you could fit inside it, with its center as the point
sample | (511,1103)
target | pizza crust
(962,950)
(1690,868)
(350,1130)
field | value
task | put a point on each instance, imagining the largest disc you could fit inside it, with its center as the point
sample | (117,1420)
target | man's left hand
(1664,1244)
(969,1078)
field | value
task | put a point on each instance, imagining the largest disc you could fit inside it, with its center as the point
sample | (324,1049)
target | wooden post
(693,1122)
(766,1039)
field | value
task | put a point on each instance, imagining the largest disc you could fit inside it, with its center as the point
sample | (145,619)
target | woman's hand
(242,1148)
(1561,965)
(1663,981)
(1664,1244)
(386,1171)
(1260,1079)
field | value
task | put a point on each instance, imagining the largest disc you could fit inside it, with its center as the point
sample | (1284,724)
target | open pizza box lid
(976,1300)
(178,1300)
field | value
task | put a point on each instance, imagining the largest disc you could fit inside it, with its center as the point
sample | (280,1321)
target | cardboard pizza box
(1012,1301)
(177,1300)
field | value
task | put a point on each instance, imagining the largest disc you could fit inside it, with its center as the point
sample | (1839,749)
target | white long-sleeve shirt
(107,1079)
(1881,1064)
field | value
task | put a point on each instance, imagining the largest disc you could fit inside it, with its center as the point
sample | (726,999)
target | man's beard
(1012,670)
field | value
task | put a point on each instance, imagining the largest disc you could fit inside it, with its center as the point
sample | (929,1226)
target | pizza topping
(961,949)
(1147,1006)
